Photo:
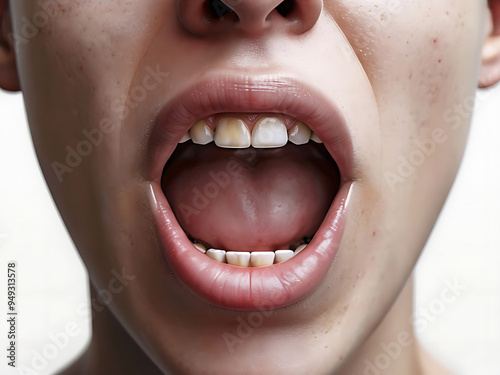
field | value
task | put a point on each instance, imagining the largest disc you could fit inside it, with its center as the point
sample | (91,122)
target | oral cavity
(251,186)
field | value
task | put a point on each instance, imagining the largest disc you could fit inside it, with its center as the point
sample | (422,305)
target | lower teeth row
(249,259)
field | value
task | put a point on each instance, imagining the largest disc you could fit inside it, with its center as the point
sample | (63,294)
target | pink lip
(239,288)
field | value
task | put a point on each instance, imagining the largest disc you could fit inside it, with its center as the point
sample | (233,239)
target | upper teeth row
(232,132)
(250,259)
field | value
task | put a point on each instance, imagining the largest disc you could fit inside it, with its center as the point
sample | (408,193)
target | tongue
(250,199)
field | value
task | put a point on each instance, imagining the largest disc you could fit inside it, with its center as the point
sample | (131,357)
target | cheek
(422,59)
(86,55)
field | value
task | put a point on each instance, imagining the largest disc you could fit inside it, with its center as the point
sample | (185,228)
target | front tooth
(218,255)
(185,138)
(200,247)
(269,132)
(201,133)
(232,133)
(282,255)
(262,258)
(315,138)
(238,258)
(299,134)
(300,248)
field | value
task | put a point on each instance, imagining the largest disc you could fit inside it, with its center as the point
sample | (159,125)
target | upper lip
(251,94)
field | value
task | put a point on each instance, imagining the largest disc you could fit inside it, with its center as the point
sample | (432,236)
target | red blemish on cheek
(435,41)
(374,233)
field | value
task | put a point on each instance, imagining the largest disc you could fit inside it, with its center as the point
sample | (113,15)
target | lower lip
(247,289)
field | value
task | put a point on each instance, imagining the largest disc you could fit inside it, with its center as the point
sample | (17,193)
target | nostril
(217,8)
(285,7)
(251,17)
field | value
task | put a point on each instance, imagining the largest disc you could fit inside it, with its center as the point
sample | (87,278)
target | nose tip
(249,17)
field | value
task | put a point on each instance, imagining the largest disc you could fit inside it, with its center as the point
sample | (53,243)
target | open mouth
(250,181)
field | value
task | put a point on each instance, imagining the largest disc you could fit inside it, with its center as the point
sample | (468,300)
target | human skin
(399,71)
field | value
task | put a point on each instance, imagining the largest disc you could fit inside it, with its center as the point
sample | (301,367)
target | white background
(465,248)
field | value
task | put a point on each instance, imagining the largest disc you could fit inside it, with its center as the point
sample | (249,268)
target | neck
(392,349)
(112,350)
